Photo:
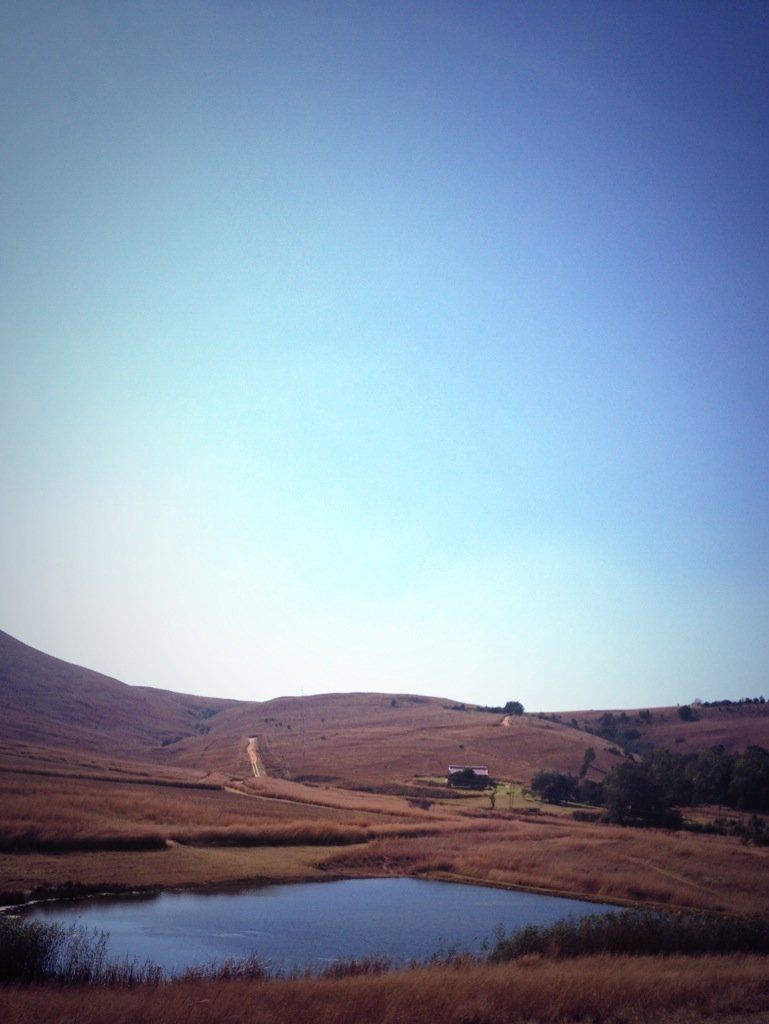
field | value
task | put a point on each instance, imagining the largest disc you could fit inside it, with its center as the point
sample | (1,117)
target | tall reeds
(636,933)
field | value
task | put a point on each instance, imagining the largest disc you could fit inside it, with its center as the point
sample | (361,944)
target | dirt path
(253,755)
(669,874)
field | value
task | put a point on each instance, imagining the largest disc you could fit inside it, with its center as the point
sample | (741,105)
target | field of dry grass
(94,833)
(106,787)
(613,990)
(57,810)
(57,715)
(377,740)
(734,727)
(97,833)
(87,833)
(162,836)
(597,861)
(194,867)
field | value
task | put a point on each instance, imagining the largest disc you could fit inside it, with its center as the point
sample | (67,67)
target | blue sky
(396,346)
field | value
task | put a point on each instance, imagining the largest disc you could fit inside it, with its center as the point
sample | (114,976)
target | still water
(311,924)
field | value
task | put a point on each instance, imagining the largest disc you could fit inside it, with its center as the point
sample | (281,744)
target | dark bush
(554,787)
(636,933)
(27,949)
(633,796)
(34,951)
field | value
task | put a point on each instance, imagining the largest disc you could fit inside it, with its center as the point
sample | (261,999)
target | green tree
(668,771)
(554,787)
(710,775)
(749,788)
(513,707)
(633,796)
(587,760)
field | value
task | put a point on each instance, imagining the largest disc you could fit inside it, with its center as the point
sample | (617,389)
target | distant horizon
(385,693)
(362,347)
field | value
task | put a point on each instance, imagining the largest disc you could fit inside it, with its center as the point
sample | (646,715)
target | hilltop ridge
(56,712)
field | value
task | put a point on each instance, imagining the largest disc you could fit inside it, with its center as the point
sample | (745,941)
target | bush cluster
(636,933)
(34,951)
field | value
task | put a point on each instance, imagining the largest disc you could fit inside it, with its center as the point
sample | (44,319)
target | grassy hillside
(734,726)
(379,740)
(57,713)
(105,787)
(63,717)
(49,702)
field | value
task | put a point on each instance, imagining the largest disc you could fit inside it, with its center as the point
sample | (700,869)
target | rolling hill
(49,702)
(56,714)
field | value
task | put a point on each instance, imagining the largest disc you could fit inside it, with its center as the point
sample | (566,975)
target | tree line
(648,792)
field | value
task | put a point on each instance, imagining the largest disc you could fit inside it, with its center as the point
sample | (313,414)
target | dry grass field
(596,861)
(612,990)
(58,814)
(105,787)
(87,767)
(157,836)
(56,714)
(734,726)
(97,834)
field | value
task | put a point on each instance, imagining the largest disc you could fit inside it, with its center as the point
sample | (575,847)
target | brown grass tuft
(613,990)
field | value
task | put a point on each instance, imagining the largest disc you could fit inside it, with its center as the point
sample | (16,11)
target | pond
(310,924)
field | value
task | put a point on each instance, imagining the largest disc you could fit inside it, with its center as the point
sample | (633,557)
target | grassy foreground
(673,968)
(673,990)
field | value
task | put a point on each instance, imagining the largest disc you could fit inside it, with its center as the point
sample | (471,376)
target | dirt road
(253,755)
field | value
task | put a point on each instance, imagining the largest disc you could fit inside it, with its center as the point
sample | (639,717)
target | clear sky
(388,345)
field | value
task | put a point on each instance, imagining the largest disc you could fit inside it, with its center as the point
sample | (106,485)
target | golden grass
(45,813)
(386,836)
(612,990)
(601,862)
(334,797)
(596,861)
(736,727)
(363,739)
(178,866)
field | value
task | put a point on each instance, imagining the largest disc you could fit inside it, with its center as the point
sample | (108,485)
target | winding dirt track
(253,755)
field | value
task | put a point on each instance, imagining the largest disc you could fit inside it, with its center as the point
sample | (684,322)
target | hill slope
(52,708)
(49,702)
(731,725)
(376,739)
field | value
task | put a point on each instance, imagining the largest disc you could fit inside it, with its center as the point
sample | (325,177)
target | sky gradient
(399,346)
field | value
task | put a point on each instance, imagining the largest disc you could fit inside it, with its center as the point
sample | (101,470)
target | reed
(612,990)
(636,933)
(37,951)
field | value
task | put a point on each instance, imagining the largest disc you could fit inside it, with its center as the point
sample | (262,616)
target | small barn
(468,776)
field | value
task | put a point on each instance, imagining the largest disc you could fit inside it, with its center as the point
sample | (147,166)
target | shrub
(636,933)
(554,787)
(27,949)
(35,951)
(633,796)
